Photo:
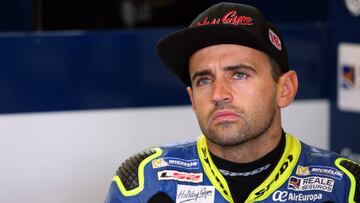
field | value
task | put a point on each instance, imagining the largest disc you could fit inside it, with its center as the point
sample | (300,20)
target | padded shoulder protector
(352,169)
(128,171)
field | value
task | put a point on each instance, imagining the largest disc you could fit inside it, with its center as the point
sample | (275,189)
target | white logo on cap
(275,40)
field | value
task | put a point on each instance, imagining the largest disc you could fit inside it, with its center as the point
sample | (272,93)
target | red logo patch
(228,18)
(180,176)
(275,40)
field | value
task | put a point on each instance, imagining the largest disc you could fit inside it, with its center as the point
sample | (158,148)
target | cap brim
(176,49)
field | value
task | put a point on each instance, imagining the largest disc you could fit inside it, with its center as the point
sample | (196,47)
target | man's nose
(221,92)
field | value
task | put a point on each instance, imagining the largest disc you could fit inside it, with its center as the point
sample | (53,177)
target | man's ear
(288,86)
(190,93)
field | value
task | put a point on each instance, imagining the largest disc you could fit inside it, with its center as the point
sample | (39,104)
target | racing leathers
(186,173)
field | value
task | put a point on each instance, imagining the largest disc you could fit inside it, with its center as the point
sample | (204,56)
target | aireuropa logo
(180,176)
(311,183)
(175,162)
(285,196)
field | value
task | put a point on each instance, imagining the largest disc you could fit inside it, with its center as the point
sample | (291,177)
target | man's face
(233,93)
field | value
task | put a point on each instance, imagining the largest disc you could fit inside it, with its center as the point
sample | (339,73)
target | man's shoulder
(140,171)
(316,154)
(177,149)
(326,162)
(130,172)
(312,154)
(180,148)
(135,165)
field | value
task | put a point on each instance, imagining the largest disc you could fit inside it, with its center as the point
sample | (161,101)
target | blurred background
(81,87)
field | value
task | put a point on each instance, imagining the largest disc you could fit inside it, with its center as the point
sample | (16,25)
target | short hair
(276,69)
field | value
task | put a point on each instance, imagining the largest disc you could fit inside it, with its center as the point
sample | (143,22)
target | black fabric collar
(244,178)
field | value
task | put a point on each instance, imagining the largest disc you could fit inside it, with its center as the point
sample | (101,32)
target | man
(236,67)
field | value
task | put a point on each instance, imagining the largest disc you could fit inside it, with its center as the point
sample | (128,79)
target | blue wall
(56,71)
(84,70)
(345,130)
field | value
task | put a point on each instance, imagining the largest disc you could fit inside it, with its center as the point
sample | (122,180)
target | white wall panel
(71,156)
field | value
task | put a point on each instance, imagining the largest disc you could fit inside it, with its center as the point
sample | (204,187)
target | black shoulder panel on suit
(354,169)
(128,171)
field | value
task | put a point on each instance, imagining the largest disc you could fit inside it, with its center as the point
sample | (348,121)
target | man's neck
(250,150)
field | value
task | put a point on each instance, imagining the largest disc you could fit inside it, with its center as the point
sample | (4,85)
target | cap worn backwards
(223,23)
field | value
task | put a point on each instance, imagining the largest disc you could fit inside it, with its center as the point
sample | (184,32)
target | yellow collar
(277,177)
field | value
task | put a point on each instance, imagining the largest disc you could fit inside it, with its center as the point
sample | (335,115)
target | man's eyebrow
(201,73)
(226,68)
(239,66)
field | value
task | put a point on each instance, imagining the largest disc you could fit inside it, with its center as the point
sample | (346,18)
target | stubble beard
(239,132)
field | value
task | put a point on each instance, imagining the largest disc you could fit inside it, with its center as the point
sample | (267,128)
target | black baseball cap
(223,23)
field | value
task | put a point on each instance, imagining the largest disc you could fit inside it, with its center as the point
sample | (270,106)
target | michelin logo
(175,162)
(319,170)
(285,196)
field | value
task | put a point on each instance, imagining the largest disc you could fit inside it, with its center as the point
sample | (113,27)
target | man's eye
(240,76)
(203,81)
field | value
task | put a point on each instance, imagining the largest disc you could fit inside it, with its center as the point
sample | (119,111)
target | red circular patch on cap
(275,40)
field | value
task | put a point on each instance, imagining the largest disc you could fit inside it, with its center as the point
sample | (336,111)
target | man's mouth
(224,115)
